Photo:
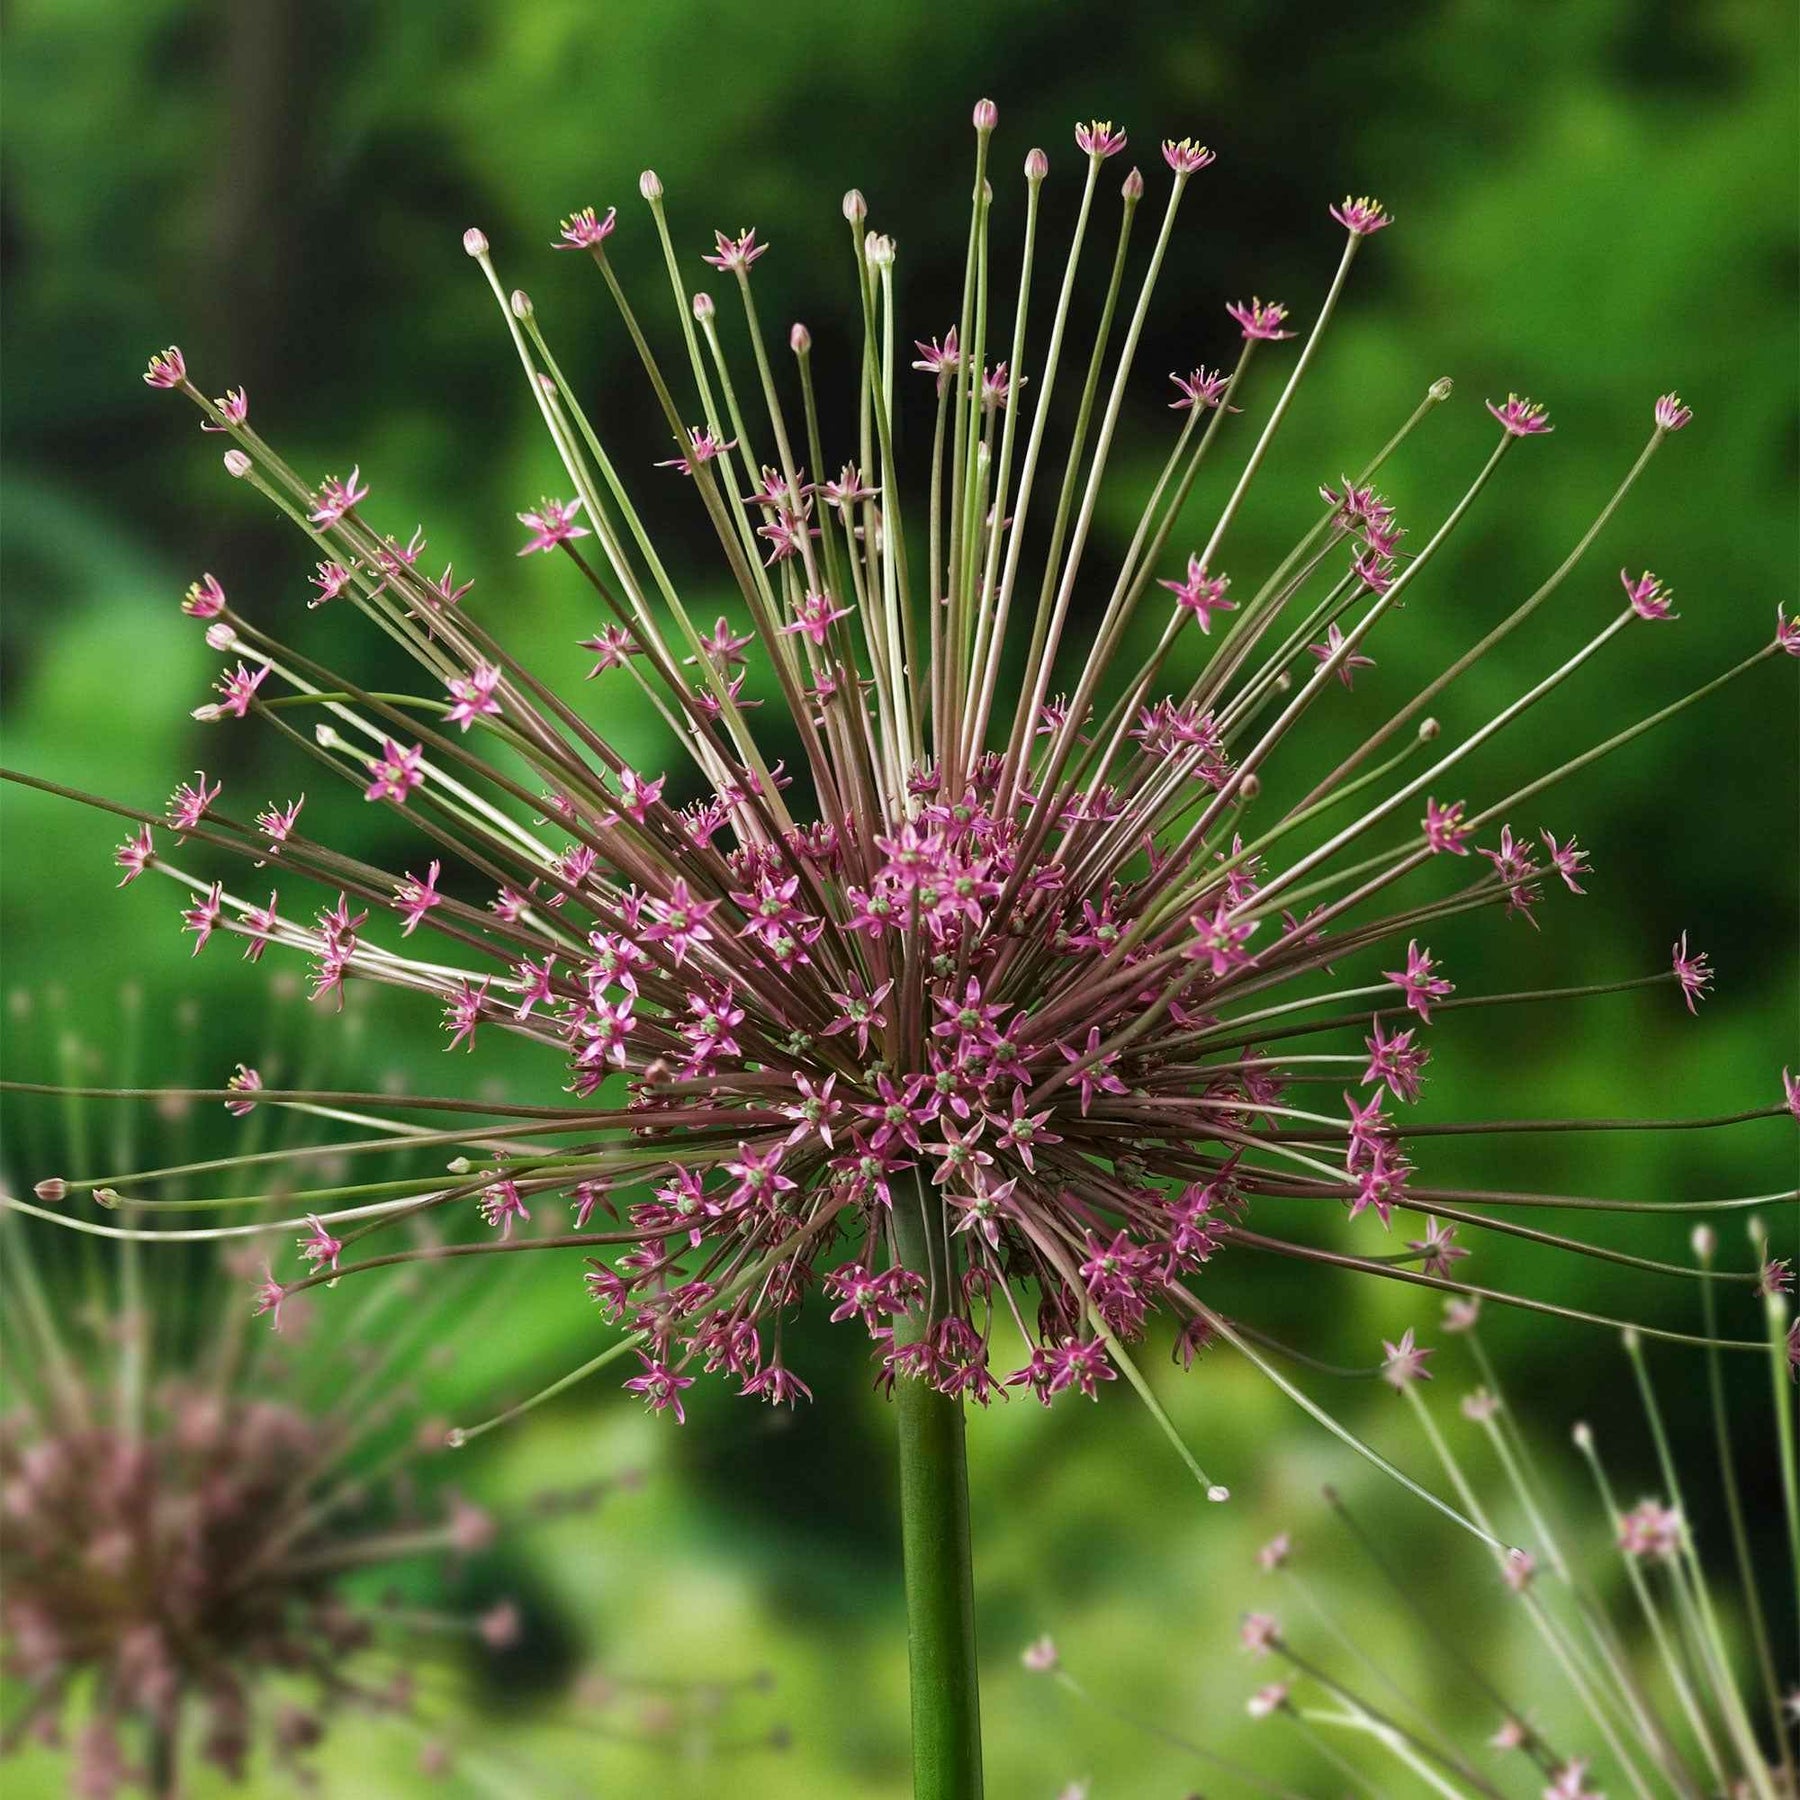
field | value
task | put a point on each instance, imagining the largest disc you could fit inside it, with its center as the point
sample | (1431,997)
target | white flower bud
(475,241)
(650,185)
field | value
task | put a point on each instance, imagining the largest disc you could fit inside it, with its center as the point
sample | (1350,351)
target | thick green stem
(161,1773)
(934,1529)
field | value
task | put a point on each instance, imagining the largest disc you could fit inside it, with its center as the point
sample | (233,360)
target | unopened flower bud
(1630,1339)
(987,115)
(856,208)
(52,1190)
(650,185)
(1133,188)
(703,307)
(879,250)
(107,1197)
(1218,1493)
(521,304)
(470,1528)
(1428,729)
(1250,786)
(1441,388)
(237,464)
(475,241)
(1705,1241)
(1671,415)
(1037,165)
(1584,1438)
(799,339)
(220,636)
(207,715)
(499,1626)
(455,1438)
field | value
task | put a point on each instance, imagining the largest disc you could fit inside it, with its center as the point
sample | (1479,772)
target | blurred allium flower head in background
(997,1009)
(213,1543)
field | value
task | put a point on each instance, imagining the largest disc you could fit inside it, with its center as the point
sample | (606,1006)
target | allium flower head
(1186,157)
(190,1530)
(335,498)
(1260,320)
(168,369)
(1521,418)
(550,523)
(1649,598)
(232,408)
(1693,972)
(1362,216)
(1203,388)
(735,253)
(961,981)
(586,229)
(1671,415)
(205,599)
(1650,1529)
(1098,139)
(1404,1362)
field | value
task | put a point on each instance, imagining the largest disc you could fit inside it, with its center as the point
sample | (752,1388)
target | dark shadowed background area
(1595,204)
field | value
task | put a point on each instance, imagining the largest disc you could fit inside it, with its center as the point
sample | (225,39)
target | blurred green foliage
(1595,204)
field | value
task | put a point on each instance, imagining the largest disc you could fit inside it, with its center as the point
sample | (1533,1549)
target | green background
(1594,203)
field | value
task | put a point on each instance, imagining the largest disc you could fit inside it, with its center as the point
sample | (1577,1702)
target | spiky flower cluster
(206,1533)
(986,1009)
(174,1569)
